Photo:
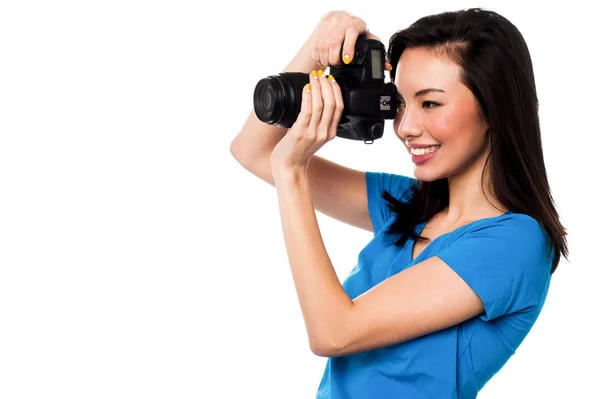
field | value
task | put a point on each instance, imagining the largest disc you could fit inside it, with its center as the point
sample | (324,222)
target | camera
(368,100)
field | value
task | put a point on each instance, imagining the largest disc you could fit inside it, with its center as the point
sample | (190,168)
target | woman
(462,255)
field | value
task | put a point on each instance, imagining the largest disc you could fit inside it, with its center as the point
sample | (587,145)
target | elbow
(233,152)
(324,347)
(321,350)
(332,338)
(239,156)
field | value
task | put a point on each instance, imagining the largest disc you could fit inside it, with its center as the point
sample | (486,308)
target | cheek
(451,125)
(443,125)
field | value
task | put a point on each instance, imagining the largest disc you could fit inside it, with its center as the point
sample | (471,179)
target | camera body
(368,100)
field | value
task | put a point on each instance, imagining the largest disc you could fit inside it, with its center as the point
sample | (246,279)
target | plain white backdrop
(139,260)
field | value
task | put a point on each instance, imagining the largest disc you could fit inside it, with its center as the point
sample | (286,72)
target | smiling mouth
(424,151)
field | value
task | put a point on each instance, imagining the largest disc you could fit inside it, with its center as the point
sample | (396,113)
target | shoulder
(515,228)
(523,222)
(516,243)
(505,260)
(393,183)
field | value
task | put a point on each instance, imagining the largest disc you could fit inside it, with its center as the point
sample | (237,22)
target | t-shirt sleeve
(505,263)
(377,182)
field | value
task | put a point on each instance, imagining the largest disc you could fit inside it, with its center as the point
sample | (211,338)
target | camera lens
(267,99)
(277,98)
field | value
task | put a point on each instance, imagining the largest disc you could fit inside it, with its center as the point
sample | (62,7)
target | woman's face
(437,109)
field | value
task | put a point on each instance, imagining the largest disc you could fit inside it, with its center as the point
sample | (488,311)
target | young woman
(462,255)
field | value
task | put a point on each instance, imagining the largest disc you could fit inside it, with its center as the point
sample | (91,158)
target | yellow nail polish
(346,59)
(307,87)
(320,73)
(330,77)
(313,74)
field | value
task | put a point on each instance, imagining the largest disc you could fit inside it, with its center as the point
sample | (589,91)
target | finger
(324,53)
(339,105)
(305,107)
(349,43)
(317,101)
(316,52)
(335,48)
(328,108)
(388,66)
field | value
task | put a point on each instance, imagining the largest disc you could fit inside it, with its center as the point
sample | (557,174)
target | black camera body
(368,100)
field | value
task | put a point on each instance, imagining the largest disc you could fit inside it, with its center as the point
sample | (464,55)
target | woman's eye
(426,104)
(429,104)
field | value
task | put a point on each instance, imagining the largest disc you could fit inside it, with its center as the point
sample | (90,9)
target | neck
(467,200)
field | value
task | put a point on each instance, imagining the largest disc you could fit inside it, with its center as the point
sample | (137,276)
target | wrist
(289,172)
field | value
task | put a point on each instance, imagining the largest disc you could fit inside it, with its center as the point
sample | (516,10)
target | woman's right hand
(336,34)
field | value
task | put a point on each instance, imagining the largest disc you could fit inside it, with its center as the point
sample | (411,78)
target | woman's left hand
(317,123)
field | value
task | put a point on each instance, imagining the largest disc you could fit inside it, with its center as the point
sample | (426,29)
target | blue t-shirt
(503,259)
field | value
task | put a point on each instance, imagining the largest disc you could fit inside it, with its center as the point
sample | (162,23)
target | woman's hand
(337,31)
(317,123)
(322,106)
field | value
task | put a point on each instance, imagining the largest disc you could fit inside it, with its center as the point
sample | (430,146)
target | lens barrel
(277,98)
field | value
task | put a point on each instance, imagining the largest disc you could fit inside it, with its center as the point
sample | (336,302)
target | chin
(425,175)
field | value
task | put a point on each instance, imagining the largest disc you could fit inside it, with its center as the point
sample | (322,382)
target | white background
(139,260)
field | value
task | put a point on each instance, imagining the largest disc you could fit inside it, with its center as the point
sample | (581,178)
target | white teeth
(423,151)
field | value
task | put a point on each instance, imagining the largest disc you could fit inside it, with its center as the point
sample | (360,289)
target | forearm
(323,301)
(257,139)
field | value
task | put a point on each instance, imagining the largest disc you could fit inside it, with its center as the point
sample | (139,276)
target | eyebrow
(425,91)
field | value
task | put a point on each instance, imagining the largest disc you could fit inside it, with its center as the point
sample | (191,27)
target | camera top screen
(376,67)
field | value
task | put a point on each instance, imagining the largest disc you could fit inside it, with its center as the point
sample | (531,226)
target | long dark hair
(497,68)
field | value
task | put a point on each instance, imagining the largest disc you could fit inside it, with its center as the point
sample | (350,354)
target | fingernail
(330,77)
(307,87)
(320,73)
(346,59)
(313,74)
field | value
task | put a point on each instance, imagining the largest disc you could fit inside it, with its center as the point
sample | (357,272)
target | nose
(409,123)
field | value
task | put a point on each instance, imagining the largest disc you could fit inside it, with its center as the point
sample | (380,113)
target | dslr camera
(368,100)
